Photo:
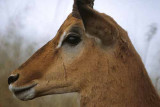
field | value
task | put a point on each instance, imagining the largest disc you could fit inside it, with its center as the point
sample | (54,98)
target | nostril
(12,79)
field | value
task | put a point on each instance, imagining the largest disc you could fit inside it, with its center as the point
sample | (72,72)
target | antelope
(91,55)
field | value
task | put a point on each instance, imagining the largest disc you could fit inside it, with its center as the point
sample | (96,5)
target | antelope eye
(73,39)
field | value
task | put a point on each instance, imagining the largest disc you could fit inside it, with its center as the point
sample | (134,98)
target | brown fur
(105,74)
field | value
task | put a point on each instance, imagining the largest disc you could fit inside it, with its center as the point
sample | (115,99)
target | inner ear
(96,25)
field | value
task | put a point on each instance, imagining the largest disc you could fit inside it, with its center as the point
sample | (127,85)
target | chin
(23,93)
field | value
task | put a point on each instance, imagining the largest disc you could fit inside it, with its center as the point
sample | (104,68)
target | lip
(23,93)
(17,90)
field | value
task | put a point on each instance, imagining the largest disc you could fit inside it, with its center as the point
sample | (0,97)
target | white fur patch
(25,95)
(61,40)
(10,87)
(28,94)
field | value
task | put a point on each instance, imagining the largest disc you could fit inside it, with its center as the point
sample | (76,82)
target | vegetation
(14,50)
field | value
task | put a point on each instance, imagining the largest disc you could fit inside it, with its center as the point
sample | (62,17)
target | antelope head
(81,56)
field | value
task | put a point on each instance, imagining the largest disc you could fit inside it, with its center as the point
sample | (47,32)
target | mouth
(23,93)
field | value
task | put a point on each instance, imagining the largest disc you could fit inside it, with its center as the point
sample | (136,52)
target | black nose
(12,79)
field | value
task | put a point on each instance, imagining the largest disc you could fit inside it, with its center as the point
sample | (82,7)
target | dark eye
(72,39)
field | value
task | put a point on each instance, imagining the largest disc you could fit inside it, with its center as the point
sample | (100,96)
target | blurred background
(26,25)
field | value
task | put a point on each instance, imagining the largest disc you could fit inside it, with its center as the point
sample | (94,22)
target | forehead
(69,24)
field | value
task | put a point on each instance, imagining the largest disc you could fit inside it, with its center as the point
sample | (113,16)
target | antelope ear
(95,24)
(75,12)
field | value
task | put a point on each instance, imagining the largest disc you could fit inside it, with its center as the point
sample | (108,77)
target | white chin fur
(24,95)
